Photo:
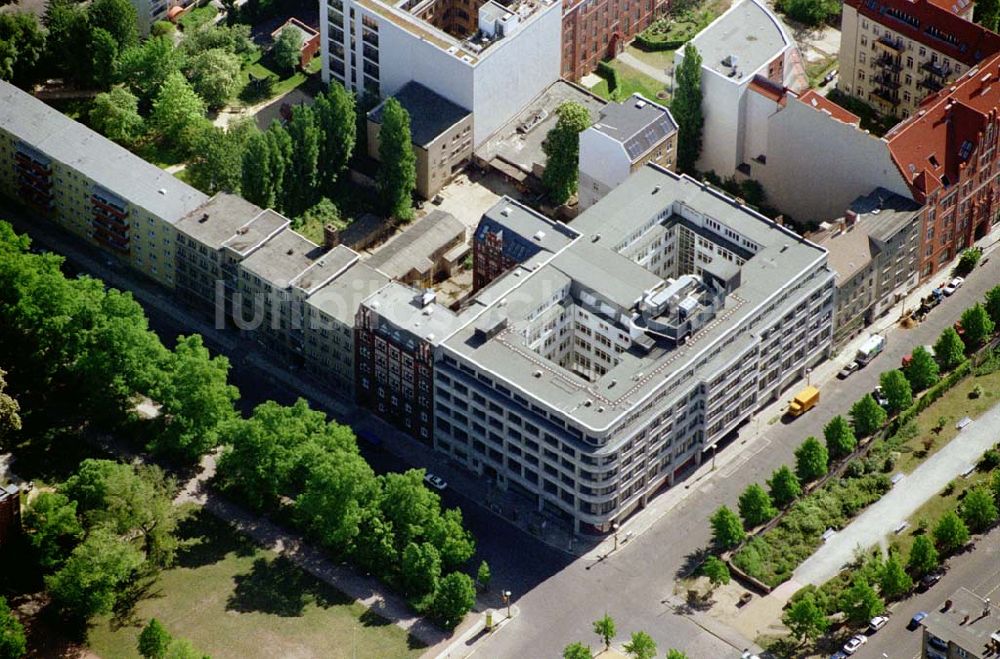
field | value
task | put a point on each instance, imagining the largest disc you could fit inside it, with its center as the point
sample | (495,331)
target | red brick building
(595,29)
(947,153)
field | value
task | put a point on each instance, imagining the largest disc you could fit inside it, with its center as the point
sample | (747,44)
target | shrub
(990,460)
(610,74)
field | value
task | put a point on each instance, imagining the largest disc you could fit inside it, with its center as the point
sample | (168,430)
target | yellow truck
(803,401)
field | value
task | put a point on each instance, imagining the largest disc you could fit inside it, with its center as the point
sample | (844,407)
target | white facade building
(379,47)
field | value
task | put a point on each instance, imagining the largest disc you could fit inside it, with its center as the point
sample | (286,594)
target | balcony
(886,96)
(109,239)
(25,161)
(111,226)
(889,62)
(106,208)
(932,83)
(935,69)
(889,82)
(894,47)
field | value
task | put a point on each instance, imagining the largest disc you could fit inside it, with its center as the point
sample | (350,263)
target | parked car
(847,370)
(828,78)
(855,643)
(877,623)
(953,285)
(879,396)
(929,580)
(839,654)
(436,482)
(915,621)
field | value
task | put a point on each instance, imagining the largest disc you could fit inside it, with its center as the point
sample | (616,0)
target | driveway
(882,517)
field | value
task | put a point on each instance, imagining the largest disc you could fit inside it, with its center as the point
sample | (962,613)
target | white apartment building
(488,58)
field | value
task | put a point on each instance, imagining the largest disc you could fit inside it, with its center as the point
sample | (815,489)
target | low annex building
(601,365)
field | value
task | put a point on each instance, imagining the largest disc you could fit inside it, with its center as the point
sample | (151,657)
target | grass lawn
(661,59)
(953,405)
(234,599)
(198,17)
(157,153)
(259,67)
(815,71)
(630,81)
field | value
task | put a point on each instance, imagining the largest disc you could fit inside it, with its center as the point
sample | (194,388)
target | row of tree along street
(80,356)
(639,646)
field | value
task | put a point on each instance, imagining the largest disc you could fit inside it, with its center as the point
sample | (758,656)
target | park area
(234,599)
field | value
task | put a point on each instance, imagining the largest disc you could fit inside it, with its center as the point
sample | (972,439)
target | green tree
(840,439)
(576,650)
(301,185)
(805,619)
(217,165)
(727,530)
(66,42)
(95,574)
(453,599)
(640,646)
(196,398)
(860,603)
(154,640)
(181,648)
(894,583)
(286,50)
(755,506)
(987,14)
(923,557)
(897,390)
(323,212)
(675,654)
(337,122)
(177,111)
(420,569)
(949,349)
(375,548)
(811,460)
(53,528)
(922,371)
(605,629)
(562,150)
(686,108)
(483,575)
(993,304)
(397,174)
(339,486)
(25,42)
(784,486)
(215,76)
(867,416)
(257,181)
(716,570)
(280,153)
(10,418)
(162,29)
(13,643)
(977,325)
(118,17)
(115,114)
(995,486)
(950,533)
(810,12)
(236,39)
(978,509)
(103,57)
(144,68)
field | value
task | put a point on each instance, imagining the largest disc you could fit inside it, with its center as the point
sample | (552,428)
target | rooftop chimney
(331,236)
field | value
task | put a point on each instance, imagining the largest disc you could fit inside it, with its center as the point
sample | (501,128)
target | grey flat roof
(749,32)
(638,123)
(218,219)
(597,264)
(341,298)
(884,213)
(951,625)
(331,264)
(97,158)
(247,238)
(430,113)
(283,258)
(411,249)
(529,237)
(400,305)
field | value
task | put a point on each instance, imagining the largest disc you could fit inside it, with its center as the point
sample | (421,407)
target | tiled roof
(823,104)
(931,147)
(768,89)
(929,23)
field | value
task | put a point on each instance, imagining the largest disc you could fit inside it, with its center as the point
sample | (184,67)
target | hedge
(653,45)
(932,394)
(610,74)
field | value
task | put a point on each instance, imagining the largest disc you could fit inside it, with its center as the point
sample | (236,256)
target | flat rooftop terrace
(745,38)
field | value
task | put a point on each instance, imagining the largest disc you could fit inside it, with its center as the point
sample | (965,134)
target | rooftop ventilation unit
(428,297)
(539,235)
(639,103)
(506,211)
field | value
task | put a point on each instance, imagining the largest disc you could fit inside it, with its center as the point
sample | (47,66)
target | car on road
(929,580)
(915,621)
(855,643)
(847,370)
(953,286)
(877,623)
(828,78)
(436,482)
(839,654)
(879,396)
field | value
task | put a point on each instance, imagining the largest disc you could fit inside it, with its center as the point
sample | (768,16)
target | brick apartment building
(893,53)
(947,152)
(595,29)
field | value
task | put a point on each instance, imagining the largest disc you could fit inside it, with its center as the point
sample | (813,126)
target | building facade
(893,53)
(966,627)
(595,29)
(628,136)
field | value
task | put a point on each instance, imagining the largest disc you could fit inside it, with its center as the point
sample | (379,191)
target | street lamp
(614,527)
(506,601)
(808,376)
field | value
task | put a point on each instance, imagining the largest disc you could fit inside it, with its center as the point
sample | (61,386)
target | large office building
(489,58)
(593,30)
(610,355)
(893,53)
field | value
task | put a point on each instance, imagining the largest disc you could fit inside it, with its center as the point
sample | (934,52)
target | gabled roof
(638,124)
(927,22)
(823,104)
(931,147)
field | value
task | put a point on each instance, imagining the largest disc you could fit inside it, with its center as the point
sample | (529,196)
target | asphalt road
(558,599)
(978,570)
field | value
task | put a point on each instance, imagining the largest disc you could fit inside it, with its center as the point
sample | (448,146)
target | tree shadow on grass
(124,614)
(691,563)
(280,587)
(205,539)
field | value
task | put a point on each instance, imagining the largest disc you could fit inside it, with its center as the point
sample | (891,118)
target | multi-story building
(947,153)
(151,11)
(441,132)
(486,57)
(595,29)
(746,43)
(875,252)
(591,376)
(893,53)
(966,627)
(628,136)
(89,185)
